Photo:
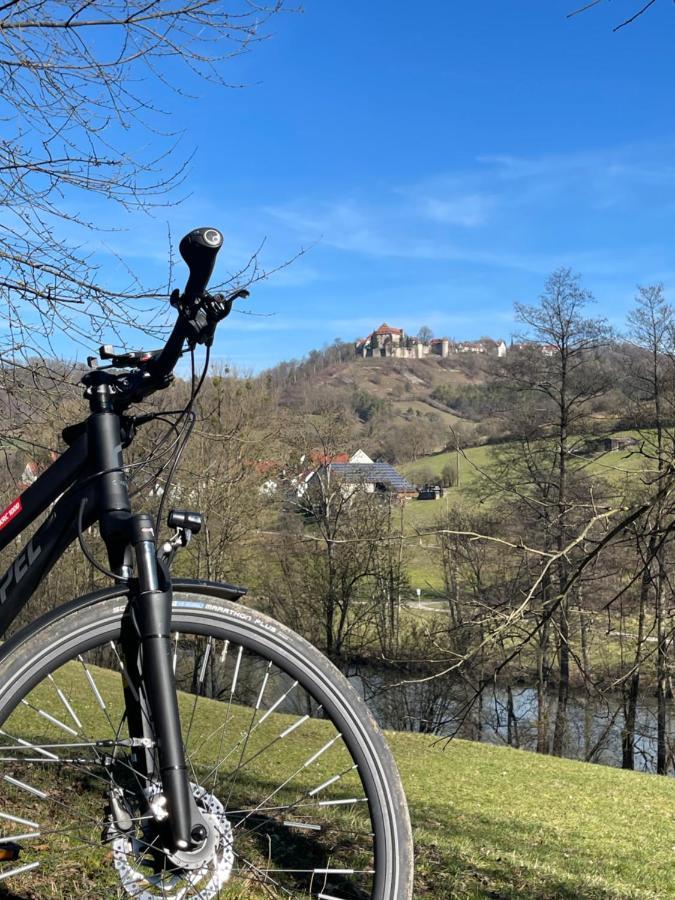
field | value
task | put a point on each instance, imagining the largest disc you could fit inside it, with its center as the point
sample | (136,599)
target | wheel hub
(205,869)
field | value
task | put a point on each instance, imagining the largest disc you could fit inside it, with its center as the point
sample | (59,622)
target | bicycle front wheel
(297,786)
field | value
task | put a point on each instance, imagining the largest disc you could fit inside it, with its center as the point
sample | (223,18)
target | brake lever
(204,314)
(219,306)
(240,294)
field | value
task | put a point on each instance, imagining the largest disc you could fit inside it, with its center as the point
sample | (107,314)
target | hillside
(488,822)
(494,822)
(402,409)
(398,393)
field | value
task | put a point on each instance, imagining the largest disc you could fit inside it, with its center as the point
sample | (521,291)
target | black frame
(87,484)
(62,482)
(92,469)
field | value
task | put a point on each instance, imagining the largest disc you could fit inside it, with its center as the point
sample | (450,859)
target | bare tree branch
(628,21)
(77,81)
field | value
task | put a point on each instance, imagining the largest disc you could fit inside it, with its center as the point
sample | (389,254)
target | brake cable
(187,430)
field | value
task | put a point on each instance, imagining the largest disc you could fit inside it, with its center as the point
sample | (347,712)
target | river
(449,707)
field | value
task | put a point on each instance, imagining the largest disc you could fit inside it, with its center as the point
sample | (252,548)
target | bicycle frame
(61,482)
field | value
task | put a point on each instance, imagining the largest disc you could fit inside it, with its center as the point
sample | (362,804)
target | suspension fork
(150,691)
(151,615)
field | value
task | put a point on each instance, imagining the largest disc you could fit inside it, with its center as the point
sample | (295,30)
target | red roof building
(320,458)
(387,329)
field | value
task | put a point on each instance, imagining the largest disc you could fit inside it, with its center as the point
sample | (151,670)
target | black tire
(65,659)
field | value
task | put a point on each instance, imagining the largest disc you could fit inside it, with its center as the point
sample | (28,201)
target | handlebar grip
(199,249)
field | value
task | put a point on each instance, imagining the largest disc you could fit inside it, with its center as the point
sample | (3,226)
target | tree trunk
(511,720)
(661,675)
(543,673)
(560,728)
(632,689)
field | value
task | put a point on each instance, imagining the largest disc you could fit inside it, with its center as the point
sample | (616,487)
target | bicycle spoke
(19,870)
(261,721)
(244,743)
(200,682)
(66,703)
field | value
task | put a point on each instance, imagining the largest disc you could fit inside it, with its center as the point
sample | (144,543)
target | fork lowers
(152,617)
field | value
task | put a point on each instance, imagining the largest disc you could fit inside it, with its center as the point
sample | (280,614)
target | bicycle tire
(275,696)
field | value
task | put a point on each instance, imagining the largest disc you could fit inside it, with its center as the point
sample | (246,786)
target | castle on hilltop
(388,341)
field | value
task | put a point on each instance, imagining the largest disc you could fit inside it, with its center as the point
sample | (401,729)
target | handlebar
(199,249)
(160,367)
(198,315)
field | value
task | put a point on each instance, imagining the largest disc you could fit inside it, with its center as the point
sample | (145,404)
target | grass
(501,823)
(474,461)
(470,462)
(424,570)
(489,822)
(89,873)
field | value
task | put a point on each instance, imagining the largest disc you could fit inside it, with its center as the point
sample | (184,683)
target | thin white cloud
(506,212)
(469,211)
(637,163)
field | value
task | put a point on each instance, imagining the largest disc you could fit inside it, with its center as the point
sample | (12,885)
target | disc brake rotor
(181,875)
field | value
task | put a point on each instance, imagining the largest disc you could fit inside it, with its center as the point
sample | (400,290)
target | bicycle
(157,738)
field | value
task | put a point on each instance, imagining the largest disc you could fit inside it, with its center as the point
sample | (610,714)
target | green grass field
(476,465)
(491,822)
(476,462)
(501,823)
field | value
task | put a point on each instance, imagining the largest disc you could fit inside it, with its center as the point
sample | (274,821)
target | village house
(592,446)
(360,472)
(485,345)
(33,469)
(544,349)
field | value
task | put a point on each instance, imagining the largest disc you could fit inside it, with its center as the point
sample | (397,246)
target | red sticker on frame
(11,512)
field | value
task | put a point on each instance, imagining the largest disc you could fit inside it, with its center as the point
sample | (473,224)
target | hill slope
(395,392)
(489,822)
(502,823)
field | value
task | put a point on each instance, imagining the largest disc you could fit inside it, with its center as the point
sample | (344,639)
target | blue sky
(437,161)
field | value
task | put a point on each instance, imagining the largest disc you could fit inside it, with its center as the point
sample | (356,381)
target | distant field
(447,419)
(471,461)
(476,464)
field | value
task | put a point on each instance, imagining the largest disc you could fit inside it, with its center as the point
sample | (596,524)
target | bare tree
(335,564)
(652,330)
(79,84)
(561,371)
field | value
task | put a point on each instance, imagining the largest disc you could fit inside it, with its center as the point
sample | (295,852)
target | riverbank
(494,822)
